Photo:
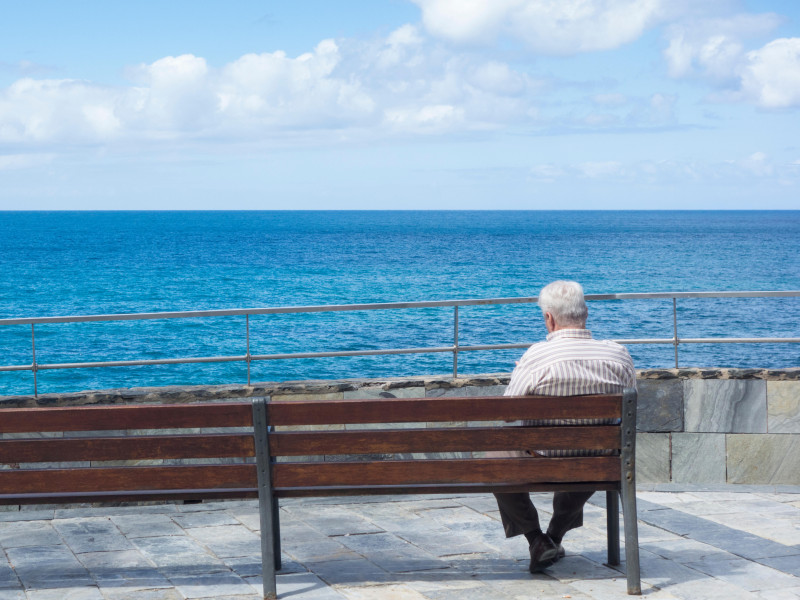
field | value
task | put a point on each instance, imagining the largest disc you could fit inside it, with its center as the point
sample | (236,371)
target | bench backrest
(312,447)
(72,454)
(384,445)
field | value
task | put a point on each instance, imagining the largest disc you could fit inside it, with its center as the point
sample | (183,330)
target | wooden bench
(292,463)
(287,462)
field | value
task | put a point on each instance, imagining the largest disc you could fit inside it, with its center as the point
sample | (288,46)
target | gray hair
(564,300)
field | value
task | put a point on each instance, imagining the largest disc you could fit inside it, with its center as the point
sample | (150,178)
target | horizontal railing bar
(737,340)
(212,359)
(17,368)
(353,353)
(425,350)
(138,363)
(381,306)
(494,347)
(263,311)
(679,295)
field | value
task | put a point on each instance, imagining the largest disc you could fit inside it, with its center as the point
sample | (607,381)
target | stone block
(698,458)
(652,458)
(309,396)
(764,459)
(380,392)
(725,406)
(783,406)
(467,391)
(660,406)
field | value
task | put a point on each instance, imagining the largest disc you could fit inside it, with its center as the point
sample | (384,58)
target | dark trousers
(519,516)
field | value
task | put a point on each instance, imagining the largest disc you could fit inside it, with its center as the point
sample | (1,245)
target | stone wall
(696,426)
(719,426)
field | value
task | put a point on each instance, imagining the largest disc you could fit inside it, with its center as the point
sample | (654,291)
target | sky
(400,104)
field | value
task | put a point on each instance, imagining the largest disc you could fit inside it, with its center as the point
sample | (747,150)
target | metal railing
(455,348)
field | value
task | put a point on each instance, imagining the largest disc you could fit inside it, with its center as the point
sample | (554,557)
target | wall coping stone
(192,393)
(791,374)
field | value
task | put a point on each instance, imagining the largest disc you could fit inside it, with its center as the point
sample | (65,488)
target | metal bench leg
(267,505)
(276,533)
(612,526)
(631,538)
(628,490)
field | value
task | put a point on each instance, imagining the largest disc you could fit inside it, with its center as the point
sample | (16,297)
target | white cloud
(435,118)
(757,167)
(560,27)
(176,93)
(757,163)
(714,50)
(274,91)
(770,76)
(62,110)
(401,47)
(404,83)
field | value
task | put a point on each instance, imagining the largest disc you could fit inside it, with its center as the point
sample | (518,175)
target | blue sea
(80,263)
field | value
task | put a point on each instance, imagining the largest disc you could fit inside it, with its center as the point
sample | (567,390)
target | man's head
(563,305)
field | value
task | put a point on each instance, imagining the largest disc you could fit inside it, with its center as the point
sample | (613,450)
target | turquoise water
(70,263)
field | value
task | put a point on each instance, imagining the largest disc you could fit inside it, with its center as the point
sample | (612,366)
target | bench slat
(417,410)
(402,472)
(149,495)
(442,440)
(455,488)
(128,479)
(126,448)
(145,416)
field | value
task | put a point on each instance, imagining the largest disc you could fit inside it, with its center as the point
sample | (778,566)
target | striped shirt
(571,363)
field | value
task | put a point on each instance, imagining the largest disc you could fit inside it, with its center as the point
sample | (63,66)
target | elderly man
(570,362)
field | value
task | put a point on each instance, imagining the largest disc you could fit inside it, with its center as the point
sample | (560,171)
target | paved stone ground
(721,543)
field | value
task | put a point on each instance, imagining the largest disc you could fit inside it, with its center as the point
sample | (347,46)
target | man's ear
(549,322)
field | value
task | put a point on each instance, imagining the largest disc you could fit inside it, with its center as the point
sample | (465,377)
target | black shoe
(543,553)
(557,542)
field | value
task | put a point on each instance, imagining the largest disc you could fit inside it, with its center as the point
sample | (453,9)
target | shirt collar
(584,334)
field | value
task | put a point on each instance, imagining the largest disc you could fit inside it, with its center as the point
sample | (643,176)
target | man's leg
(567,513)
(518,514)
(519,517)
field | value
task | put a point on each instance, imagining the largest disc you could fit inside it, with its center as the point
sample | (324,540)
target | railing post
(675,328)
(247,356)
(33,364)
(455,341)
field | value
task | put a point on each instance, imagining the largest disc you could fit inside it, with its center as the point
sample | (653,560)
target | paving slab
(93,534)
(142,594)
(727,543)
(228,541)
(745,574)
(8,578)
(47,567)
(146,525)
(66,594)
(28,533)
(125,568)
(214,585)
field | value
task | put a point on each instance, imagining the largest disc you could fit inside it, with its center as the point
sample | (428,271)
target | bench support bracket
(267,505)
(628,490)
